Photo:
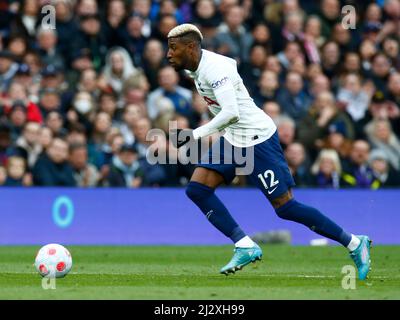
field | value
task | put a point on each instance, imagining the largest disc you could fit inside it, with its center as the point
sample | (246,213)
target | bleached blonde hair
(183,29)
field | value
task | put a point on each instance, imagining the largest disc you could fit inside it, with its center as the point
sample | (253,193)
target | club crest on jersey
(219,83)
(199,84)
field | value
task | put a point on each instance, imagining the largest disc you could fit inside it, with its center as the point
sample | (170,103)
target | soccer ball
(53,260)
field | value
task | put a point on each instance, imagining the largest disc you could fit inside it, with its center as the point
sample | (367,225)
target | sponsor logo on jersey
(219,83)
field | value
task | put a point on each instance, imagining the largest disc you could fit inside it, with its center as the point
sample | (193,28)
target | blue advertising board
(166,216)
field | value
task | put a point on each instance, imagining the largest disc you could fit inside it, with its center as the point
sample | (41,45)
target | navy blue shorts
(269,171)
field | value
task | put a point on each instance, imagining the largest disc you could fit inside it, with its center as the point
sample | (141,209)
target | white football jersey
(215,71)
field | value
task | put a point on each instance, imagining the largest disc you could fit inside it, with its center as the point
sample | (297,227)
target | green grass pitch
(190,272)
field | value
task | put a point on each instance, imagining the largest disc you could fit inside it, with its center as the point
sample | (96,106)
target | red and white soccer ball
(53,260)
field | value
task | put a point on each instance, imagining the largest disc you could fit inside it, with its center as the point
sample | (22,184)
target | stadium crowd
(77,101)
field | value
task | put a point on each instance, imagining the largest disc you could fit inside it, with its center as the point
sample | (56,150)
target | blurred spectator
(381,137)
(314,126)
(367,51)
(272,109)
(82,111)
(206,14)
(113,25)
(337,140)
(88,82)
(133,39)
(232,38)
(140,130)
(28,19)
(354,99)
(298,164)
(252,70)
(267,89)
(17,118)
(45,137)
(67,28)
(330,58)
(108,104)
(166,7)
(8,68)
(293,98)
(262,37)
(286,130)
(342,37)
(394,88)
(381,108)
(327,170)
(135,90)
(86,7)
(312,30)
(18,46)
(17,94)
(97,141)
(329,14)
(382,171)
(352,63)
(55,122)
(91,36)
(131,115)
(356,170)
(319,84)
(379,73)
(168,87)
(128,171)
(52,167)
(143,7)
(125,170)
(291,51)
(3,175)
(165,24)
(47,43)
(85,174)
(118,68)
(27,145)
(16,173)
(153,61)
(391,49)
(5,143)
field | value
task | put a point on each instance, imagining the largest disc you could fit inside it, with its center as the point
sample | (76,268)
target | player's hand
(180,137)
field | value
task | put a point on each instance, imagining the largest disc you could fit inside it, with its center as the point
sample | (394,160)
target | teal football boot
(361,257)
(242,257)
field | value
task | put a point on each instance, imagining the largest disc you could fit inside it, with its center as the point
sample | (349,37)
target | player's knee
(197,191)
(286,211)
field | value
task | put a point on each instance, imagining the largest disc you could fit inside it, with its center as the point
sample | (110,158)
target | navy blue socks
(313,219)
(215,211)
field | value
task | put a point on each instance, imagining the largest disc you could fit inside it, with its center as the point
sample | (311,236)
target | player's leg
(272,175)
(213,170)
(359,246)
(286,207)
(201,190)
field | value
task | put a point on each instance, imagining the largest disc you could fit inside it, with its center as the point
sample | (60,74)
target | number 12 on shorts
(268,175)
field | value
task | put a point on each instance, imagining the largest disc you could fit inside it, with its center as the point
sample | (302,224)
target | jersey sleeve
(220,81)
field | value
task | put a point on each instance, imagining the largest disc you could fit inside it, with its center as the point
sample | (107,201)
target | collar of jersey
(200,63)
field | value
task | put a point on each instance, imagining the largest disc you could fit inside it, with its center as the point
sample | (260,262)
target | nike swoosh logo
(270,191)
